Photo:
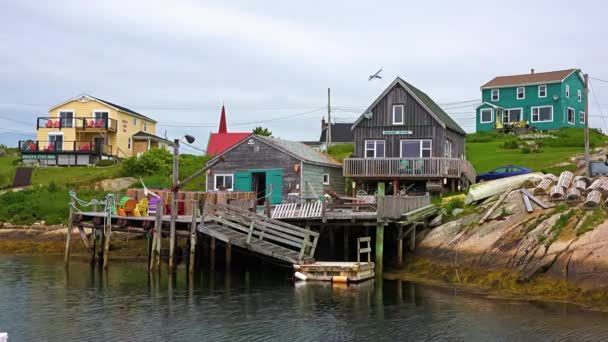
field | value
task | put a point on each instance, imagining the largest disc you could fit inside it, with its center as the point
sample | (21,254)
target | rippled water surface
(39,301)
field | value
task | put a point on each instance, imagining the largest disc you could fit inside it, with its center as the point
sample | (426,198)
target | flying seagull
(376,75)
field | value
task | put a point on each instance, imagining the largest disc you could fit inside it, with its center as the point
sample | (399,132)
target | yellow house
(85,129)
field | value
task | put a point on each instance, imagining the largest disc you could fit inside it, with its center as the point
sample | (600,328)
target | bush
(105,162)
(510,145)
(453,204)
(575,137)
(156,161)
(525,150)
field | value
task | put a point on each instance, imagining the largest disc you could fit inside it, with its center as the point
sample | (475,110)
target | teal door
(242,181)
(274,179)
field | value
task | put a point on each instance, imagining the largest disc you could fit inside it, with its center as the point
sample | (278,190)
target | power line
(598,79)
(17,121)
(458,102)
(193,147)
(598,104)
(17,131)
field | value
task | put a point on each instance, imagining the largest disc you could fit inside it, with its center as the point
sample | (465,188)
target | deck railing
(408,167)
(46,146)
(81,123)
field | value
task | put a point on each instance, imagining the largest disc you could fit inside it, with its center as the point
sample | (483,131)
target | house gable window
(374,148)
(486,115)
(66,118)
(521,93)
(512,115)
(567,91)
(326,179)
(542,90)
(495,94)
(542,114)
(223,182)
(570,115)
(581,117)
(412,148)
(579,95)
(398,114)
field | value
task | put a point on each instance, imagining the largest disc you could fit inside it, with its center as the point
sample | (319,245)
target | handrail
(79,122)
(36,146)
(408,167)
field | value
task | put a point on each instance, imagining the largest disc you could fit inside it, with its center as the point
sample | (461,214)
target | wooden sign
(397,132)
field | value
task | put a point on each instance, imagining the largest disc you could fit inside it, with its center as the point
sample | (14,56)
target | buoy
(300,276)
(339,279)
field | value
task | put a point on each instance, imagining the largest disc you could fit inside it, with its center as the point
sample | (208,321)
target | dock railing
(408,167)
(393,207)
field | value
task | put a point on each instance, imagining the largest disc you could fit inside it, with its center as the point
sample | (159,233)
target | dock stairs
(260,234)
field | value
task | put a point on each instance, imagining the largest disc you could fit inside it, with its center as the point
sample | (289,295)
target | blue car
(502,172)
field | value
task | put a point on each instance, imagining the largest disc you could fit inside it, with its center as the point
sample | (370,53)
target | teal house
(545,100)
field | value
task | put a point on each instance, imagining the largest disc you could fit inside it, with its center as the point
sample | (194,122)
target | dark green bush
(526,150)
(105,162)
(156,161)
(511,144)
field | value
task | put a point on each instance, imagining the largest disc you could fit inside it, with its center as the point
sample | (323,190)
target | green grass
(596,217)
(340,152)
(188,165)
(485,150)
(7,170)
(73,176)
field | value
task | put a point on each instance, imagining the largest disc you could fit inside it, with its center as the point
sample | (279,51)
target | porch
(414,168)
(58,152)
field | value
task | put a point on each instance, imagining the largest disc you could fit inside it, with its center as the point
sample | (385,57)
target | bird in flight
(376,75)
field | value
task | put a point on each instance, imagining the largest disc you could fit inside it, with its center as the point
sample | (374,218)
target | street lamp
(175,189)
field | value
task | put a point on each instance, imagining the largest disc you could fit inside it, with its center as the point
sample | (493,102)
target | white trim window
(325,179)
(579,95)
(512,115)
(134,121)
(145,126)
(129,144)
(374,149)
(66,118)
(542,114)
(567,91)
(55,142)
(542,90)
(521,93)
(570,115)
(415,148)
(223,181)
(581,117)
(486,115)
(398,114)
(448,148)
(495,94)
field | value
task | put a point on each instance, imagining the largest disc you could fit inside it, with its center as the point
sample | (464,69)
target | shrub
(525,150)
(156,161)
(453,204)
(105,162)
(510,145)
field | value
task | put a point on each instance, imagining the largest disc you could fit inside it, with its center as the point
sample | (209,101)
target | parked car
(502,172)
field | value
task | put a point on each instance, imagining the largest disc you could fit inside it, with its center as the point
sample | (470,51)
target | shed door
(274,178)
(242,181)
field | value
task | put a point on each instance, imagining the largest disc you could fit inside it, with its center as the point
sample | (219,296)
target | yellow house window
(129,144)
(134,121)
(145,126)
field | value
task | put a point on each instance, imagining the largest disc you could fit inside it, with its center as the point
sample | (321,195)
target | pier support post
(93,245)
(193,235)
(413,239)
(107,232)
(158,223)
(332,242)
(212,251)
(399,246)
(228,255)
(68,238)
(379,248)
(346,244)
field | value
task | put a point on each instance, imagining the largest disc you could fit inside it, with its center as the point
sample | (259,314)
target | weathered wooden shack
(404,140)
(280,169)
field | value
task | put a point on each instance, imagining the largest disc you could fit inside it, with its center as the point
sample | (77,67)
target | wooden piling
(400,246)
(93,245)
(413,239)
(228,255)
(332,241)
(158,224)
(68,239)
(193,236)
(107,232)
(379,248)
(345,243)
(212,251)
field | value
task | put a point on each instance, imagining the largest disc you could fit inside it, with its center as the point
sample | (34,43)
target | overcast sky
(179,61)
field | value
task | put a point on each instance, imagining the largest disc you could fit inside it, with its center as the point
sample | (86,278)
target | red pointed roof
(223,128)
(222,140)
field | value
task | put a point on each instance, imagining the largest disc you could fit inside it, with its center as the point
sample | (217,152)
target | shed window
(495,94)
(511,115)
(223,182)
(542,90)
(486,115)
(415,148)
(326,179)
(374,148)
(542,114)
(579,95)
(398,114)
(570,115)
(581,117)
(521,93)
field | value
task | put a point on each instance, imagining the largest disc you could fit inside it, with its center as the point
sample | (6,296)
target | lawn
(7,170)
(486,150)
(342,151)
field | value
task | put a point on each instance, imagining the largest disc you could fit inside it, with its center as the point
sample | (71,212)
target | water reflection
(39,301)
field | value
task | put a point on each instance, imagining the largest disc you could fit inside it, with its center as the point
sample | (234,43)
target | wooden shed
(280,169)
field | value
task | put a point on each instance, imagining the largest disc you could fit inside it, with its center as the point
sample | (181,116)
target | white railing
(408,167)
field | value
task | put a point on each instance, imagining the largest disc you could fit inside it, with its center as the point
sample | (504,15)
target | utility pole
(174,194)
(587,170)
(328,133)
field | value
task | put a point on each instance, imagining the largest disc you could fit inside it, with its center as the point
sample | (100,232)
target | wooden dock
(336,271)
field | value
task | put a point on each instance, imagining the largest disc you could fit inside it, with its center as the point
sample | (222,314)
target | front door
(274,183)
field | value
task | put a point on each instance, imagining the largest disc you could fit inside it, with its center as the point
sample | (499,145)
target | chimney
(323,124)
(532,71)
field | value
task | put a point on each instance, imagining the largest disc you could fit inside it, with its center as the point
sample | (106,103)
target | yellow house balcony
(92,124)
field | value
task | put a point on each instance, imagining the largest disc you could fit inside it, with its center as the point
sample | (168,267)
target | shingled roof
(433,108)
(528,79)
(340,133)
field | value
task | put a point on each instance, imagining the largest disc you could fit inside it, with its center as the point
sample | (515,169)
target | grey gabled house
(404,140)
(279,169)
